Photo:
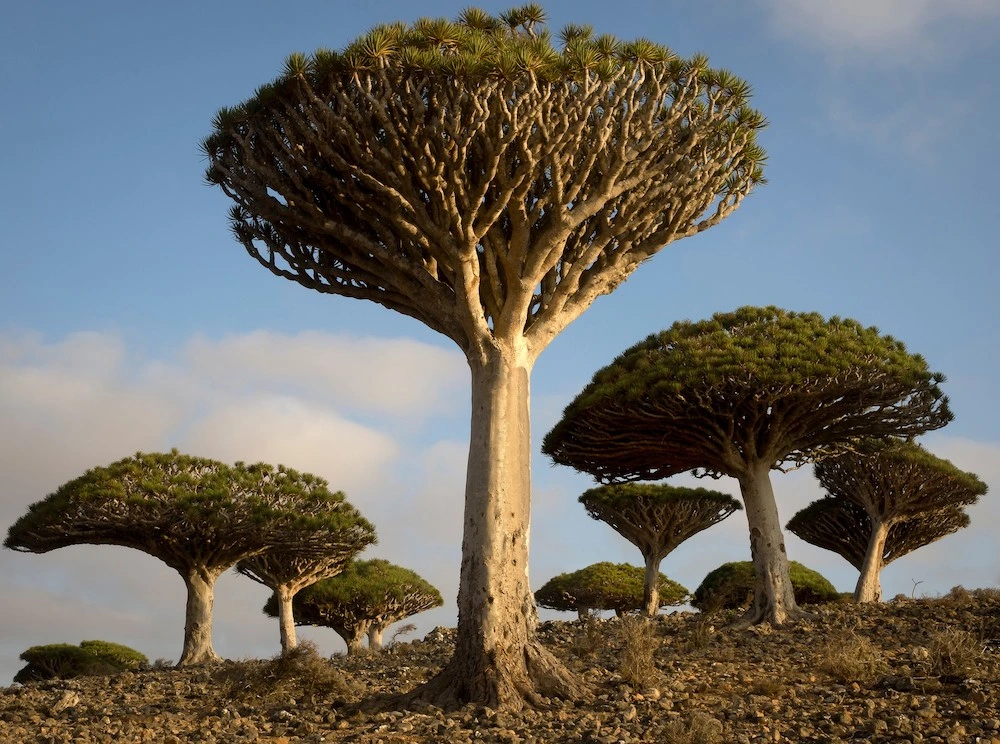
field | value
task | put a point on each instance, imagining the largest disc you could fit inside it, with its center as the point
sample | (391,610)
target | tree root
(756,614)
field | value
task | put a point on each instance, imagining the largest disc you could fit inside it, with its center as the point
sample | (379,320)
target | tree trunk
(651,590)
(200,583)
(774,599)
(375,638)
(286,619)
(497,661)
(869,588)
(354,639)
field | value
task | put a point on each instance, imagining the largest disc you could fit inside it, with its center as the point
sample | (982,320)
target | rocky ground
(908,671)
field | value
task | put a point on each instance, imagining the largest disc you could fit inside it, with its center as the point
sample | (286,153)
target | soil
(908,670)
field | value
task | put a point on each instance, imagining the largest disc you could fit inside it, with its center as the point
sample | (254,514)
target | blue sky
(131,319)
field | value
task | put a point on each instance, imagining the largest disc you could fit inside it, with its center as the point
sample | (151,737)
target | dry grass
(591,640)
(850,657)
(954,653)
(698,728)
(639,643)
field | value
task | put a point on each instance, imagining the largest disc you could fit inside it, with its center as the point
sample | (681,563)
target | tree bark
(200,583)
(355,638)
(651,590)
(375,638)
(774,598)
(869,587)
(286,619)
(497,661)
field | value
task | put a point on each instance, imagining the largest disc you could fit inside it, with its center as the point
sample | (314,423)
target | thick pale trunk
(286,619)
(355,639)
(497,661)
(651,590)
(375,638)
(198,649)
(774,598)
(869,588)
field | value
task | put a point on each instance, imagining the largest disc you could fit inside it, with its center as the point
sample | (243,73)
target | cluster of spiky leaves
(65,661)
(605,586)
(381,170)
(755,384)
(374,592)
(731,586)
(844,527)
(657,517)
(189,510)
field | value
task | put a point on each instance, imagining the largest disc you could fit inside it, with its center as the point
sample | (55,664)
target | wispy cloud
(890,31)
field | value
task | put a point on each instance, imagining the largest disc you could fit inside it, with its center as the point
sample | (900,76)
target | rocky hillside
(908,671)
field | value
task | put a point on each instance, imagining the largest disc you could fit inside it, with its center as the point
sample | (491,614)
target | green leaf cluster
(731,586)
(605,586)
(622,496)
(65,661)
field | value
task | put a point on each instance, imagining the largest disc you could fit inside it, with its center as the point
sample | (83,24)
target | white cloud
(895,31)
(393,376)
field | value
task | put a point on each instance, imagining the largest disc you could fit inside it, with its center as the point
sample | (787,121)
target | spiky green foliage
(897,479)
(844,527)
(384,170)
(753,385)
(657,517)
(605,586)
(189,511)
(731,586)
(65,661)
(367,593)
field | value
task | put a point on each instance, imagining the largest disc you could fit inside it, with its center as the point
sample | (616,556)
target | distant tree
(740,394)
(731,587)
(65,661)
(845,528)
(894,483)
(491,184)
(287,571)
(365,595)
(656,518)
(198,516)
(606,586)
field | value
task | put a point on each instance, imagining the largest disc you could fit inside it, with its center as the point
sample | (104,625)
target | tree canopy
(606,586)
(731,586)
(656,518)
(199,516)
(374,593)
(490,181)
(740,394)
(909,498)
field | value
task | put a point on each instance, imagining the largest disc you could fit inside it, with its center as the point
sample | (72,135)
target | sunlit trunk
(375,638)
(869,588)
(774,599)
(200,583)
(286,619)
(651,590)
(497,661)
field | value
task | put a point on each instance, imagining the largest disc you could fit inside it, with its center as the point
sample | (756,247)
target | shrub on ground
(65,661)
(731,587)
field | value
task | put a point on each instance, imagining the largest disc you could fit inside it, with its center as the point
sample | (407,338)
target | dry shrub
(699,728)
(590,639)
(987,592)
(771,687)
(639,643)
(301,672)
(954,653)
(849,657)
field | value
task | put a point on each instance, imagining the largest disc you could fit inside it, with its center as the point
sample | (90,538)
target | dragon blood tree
(656,518)
(886,499)
(740,394)
(364,599)
(607,586)
(322,551)
(490,182)
(198,516)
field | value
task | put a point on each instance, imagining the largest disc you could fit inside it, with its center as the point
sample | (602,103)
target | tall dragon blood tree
(741,394)
(887,499)
(491,183)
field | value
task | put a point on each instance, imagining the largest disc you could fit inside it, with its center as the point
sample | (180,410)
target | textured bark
(375,638)
(497,660)
(355,638)
(286,618)
(869,587)
(651,589)
(774,599)
(200,584)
